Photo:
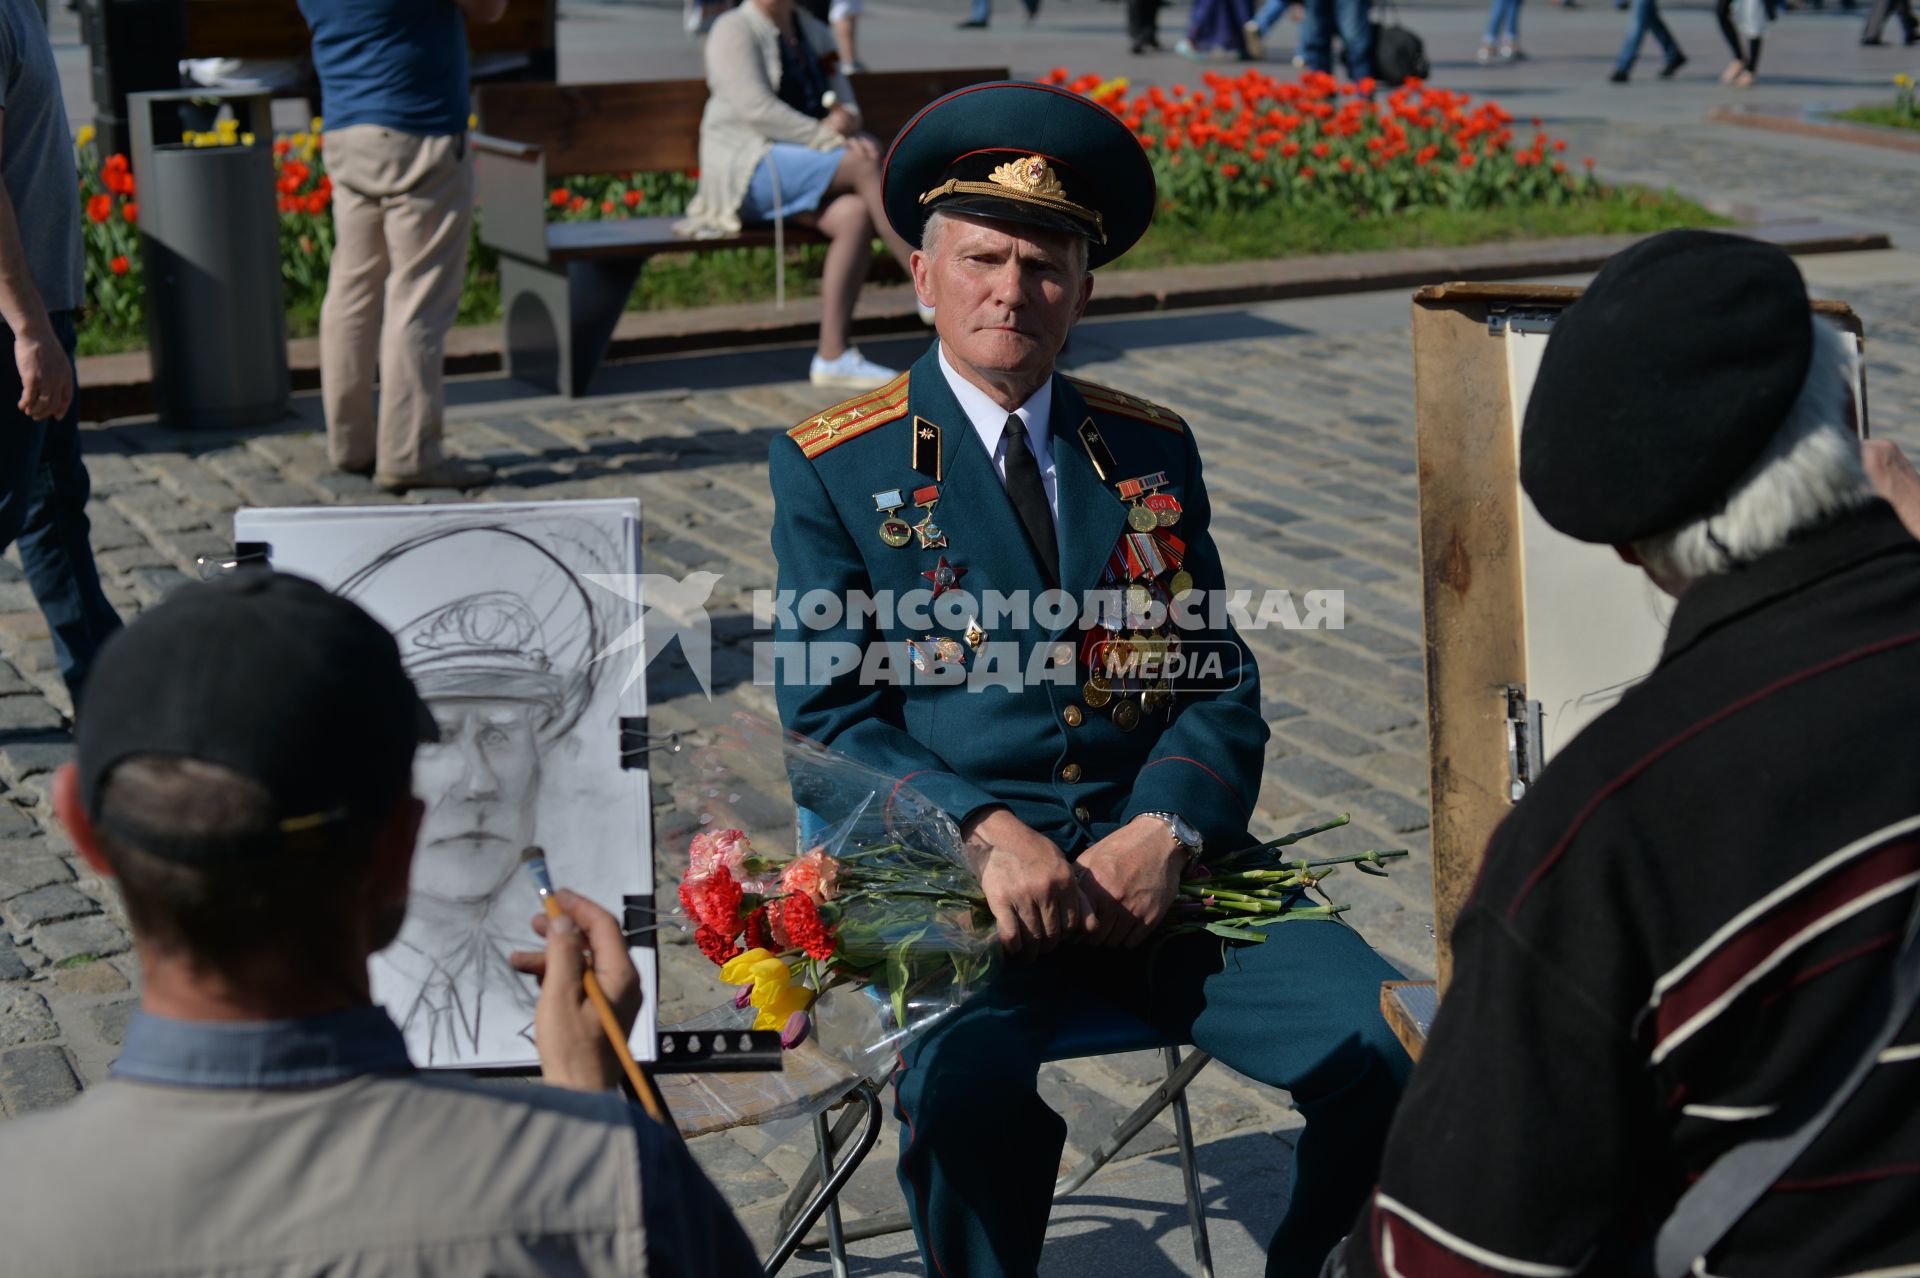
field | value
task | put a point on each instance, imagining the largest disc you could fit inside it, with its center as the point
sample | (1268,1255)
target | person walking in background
(1645,18)
(43,479)
(394,77)
(780,137)
(1215,28)
(1877,21)
(1502,40)
(1741,22)
(1354,22)
(982,12)
(1143,25)
(1270,13)
(843,16)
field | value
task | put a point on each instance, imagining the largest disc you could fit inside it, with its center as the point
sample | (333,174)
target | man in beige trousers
(393,75)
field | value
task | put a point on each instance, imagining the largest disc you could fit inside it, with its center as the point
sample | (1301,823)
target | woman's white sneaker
(851,370)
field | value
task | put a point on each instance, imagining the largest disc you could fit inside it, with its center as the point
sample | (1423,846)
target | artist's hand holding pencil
(574,1052)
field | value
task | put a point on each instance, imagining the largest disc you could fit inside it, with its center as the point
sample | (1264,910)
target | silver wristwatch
(1184,834)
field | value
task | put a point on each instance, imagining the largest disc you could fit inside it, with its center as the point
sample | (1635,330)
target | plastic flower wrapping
(849,925)
(839,904)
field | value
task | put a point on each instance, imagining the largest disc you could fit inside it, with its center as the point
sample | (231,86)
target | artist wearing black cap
(1684,937)
(243,773)
(1085,787)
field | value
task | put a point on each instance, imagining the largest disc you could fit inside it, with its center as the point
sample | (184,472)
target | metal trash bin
(210,248)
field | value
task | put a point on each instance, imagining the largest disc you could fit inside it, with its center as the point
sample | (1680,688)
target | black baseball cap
(265,673)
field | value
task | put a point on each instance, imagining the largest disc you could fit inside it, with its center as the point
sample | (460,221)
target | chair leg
(836,1180)
(1149,1109)
(1189,1171)
(536,311)
(836,1245)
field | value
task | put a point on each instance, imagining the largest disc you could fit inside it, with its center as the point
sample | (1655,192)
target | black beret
(1027,153)
(1663,384)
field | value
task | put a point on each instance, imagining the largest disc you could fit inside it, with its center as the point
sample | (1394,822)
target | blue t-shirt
(401,64)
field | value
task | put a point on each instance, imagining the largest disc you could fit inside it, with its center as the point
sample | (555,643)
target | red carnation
(716,947)
(758,935)
(715,901)
(803,922)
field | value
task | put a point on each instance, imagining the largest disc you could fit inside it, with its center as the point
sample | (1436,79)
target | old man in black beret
(1680,1025)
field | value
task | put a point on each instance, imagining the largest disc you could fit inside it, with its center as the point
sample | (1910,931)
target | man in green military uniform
(1008,497)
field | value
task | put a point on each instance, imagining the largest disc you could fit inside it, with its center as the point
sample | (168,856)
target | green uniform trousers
(980,1150)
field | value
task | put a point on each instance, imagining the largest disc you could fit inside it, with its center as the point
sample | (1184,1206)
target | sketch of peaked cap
(487,612)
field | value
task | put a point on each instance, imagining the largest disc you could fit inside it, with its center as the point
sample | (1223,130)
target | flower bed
(1902,113)
(1251,141)
(1249,167)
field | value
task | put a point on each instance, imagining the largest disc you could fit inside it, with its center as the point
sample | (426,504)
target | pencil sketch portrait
(498,623)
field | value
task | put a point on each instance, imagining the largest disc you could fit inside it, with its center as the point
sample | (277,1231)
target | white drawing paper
(1594,624)
(499,627)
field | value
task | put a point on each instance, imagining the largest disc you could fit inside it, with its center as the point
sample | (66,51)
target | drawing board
(501,628)
(1513,612)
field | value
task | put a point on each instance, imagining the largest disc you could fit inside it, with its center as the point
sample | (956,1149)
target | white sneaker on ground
(851,370)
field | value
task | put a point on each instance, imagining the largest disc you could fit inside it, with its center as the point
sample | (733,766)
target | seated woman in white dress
(780,137)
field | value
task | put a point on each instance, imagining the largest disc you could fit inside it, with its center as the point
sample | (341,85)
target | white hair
(1809,472)
(936,220)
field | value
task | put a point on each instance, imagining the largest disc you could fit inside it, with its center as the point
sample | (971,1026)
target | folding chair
(1098,1030)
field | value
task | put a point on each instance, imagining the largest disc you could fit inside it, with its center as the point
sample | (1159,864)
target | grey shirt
(36,157)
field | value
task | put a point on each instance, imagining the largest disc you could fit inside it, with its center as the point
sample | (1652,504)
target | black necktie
(1029,497)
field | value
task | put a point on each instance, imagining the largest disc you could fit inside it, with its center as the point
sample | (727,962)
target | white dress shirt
(990,421)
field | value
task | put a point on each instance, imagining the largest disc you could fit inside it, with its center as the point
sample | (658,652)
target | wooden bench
(564,285)
(276,29)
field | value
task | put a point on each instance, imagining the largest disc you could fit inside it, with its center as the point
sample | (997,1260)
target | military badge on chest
(898,533)
(1126,663)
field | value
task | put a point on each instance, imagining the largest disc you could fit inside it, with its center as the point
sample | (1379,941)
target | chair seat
(1099,1029)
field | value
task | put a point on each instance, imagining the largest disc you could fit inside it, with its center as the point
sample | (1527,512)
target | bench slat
(645,236)
(276,29)
(653,126)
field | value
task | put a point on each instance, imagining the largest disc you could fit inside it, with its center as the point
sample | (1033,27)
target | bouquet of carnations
(873,925)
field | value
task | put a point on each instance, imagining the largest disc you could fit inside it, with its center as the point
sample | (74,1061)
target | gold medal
(1180,583)
(949,650)
(976,635)
(1126,715)
(1139,599)
(1097,692)
(894,531)
(1140,519)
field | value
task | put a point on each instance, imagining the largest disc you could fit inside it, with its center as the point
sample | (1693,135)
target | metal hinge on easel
(1521,319)
(1524,728)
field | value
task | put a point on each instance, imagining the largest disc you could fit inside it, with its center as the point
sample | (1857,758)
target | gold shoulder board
(851,417)
(1106,399)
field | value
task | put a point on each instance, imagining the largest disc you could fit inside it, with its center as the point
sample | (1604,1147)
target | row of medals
(1149,512)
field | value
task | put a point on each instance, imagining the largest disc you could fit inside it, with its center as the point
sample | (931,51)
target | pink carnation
(816,874)
(716,849)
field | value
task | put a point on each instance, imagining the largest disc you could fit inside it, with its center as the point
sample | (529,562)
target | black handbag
(1398,54)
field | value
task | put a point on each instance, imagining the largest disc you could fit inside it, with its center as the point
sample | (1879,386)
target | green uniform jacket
(1065,768)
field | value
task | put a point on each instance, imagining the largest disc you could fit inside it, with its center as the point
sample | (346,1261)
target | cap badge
(1031,176)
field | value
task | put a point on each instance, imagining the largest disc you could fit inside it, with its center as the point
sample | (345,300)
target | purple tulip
(744,996)
(795,1031)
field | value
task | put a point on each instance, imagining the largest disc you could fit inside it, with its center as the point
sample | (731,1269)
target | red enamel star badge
(944,576)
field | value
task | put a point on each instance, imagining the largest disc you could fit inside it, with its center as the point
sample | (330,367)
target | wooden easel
(1472,589)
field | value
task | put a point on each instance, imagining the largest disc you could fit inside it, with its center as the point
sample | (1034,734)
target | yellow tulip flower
(770,979)
(774,1013)
(314,125)
(738,969)
(85,136)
